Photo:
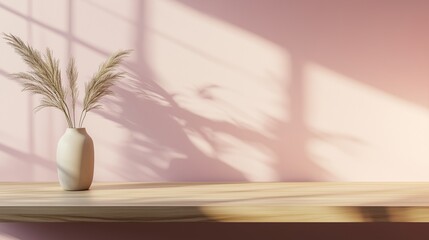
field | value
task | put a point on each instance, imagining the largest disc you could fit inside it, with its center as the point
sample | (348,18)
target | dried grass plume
(44,79)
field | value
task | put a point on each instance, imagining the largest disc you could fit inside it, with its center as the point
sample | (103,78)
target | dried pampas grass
(44,79)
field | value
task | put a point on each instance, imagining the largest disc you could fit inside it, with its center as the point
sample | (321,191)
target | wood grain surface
(227,202)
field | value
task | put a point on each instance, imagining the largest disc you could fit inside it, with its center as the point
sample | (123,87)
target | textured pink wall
(229,91)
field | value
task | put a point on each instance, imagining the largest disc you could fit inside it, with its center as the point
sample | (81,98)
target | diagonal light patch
(362,133)
(224,75)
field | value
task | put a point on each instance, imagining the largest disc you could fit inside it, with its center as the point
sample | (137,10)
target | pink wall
(303,90)
(231,90)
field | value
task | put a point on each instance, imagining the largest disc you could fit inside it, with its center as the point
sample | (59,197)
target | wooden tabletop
(227,202)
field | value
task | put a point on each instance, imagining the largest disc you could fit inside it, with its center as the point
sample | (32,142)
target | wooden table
(227,202)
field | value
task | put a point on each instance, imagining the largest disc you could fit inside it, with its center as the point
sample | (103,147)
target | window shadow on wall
(160,146)
(382,49)
(27,159)
(159,142)
(161,126)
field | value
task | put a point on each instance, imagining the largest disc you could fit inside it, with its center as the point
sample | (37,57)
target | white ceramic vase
(75,160)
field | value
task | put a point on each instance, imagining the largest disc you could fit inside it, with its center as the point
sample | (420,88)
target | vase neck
(76,130)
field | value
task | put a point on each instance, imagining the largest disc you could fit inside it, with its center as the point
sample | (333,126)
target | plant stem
(80,119)
(70,124)
(74,115)
(84,116)
(67,112)
(68,121)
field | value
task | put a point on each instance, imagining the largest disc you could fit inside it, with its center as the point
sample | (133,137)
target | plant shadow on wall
(162,146)
(162,130)
(159,144)
(159,147)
